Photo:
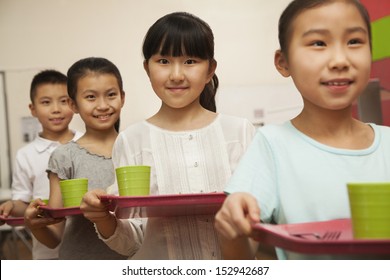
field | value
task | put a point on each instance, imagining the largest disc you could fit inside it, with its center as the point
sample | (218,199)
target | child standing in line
(49,104)
(297,172)
(190,148)
(96,91)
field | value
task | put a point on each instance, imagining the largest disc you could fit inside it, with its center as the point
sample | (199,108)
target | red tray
(314,238)
(12,221)
(164,205)
(60,212)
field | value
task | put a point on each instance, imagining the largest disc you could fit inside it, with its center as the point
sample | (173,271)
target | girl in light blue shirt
(297,172)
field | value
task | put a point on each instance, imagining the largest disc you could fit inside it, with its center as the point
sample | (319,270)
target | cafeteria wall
(41,34)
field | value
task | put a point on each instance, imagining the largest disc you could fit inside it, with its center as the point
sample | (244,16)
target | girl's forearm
(19,207)
(240,248)
(107,226)
(49,236)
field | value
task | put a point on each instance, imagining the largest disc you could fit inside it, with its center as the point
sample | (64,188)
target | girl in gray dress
(96,93)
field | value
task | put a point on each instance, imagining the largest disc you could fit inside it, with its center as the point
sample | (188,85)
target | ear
(281,63)
(73,106)
(32,110)
(212,68)
(123,98)
(146,67)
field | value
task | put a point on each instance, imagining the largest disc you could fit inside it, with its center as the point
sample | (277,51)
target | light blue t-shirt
(296,179)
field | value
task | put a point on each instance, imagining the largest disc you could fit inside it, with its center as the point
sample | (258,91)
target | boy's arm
(23,182)
(22,185)
(14,208)
(19,208)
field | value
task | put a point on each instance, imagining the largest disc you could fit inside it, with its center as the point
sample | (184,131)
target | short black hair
(48,76)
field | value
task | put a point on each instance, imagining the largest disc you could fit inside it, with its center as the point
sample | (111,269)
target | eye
(112,94)
(318,44)
(163,61)
(355,41)
(45,102)
(64,101)
(190,61)
(90,97)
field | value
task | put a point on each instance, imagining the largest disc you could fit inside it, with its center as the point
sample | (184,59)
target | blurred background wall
(41,34)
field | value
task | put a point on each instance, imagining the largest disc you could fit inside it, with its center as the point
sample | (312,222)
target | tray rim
(162,200)
(269,234)
(12,221)
(141,204)
(60,212)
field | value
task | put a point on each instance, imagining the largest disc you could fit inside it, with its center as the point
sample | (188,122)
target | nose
(102,104)
(56,107)
(176,73)
(339,59)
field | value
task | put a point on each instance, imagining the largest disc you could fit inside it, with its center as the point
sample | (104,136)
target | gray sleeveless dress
(80,240)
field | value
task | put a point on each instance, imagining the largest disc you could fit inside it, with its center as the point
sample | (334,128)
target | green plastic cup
(133,180)
(370,209)
(73,190)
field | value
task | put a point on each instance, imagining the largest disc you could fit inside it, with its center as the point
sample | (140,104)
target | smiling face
(98,101)
(178,81)
(328,56)
(51,108)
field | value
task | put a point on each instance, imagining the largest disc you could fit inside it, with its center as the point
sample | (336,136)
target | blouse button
(196,164)
(190,137)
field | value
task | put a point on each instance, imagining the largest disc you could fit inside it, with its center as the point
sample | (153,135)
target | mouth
(103,117)
(338,83)
(177,89)
(56,120)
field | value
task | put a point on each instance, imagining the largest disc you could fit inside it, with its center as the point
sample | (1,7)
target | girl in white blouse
(190,148)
